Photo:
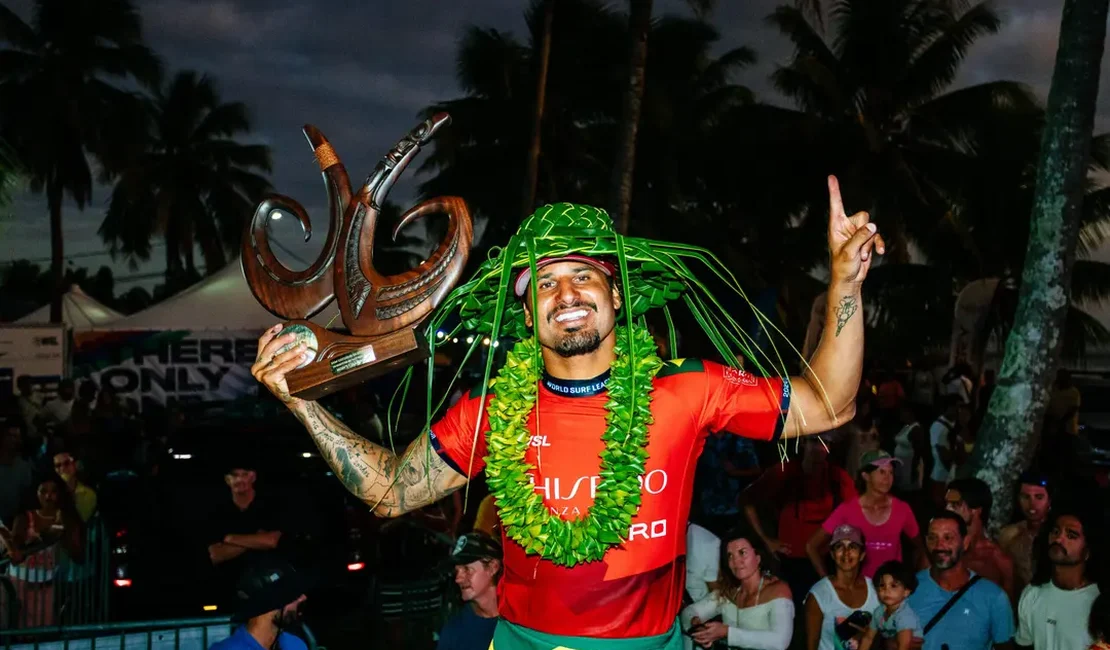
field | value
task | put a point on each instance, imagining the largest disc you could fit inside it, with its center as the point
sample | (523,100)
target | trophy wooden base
(344,361)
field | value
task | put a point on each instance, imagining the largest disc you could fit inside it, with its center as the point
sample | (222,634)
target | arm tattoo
(391,485)
(844,312)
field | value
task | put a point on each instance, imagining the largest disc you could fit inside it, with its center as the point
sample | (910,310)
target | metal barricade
(50,588)
(177,634)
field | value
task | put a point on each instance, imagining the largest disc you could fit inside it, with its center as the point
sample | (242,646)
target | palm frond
(792,23)
(967,117)
(489,62)
(223,120)
(1100,151)
(1082,332)
(1090,281)
(933,69)
(17,32)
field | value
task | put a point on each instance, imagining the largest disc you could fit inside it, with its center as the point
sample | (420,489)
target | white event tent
(221,301)
(79,311)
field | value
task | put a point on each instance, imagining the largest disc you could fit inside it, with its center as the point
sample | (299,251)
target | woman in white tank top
(835,598)
(755,608)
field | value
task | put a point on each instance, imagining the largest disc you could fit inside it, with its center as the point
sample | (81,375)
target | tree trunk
(533,166)
(54,194)
(639,25)
(1009,433)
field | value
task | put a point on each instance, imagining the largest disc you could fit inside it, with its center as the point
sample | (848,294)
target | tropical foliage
(190,183)
(62,103)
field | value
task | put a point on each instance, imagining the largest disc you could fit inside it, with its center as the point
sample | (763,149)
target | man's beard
(1063,559)
(578,343)
(950,559)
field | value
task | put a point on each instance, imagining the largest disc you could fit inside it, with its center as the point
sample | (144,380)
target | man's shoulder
(1009,533)
(240,639)
(986,589)
(287,641)
(675,367)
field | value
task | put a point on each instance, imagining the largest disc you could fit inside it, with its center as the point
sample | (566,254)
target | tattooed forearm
(844,312)
(391,485)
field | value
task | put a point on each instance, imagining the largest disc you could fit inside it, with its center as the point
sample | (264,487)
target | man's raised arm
(824,397)
(392,485)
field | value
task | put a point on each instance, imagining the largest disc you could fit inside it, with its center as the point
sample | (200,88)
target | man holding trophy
(588,439)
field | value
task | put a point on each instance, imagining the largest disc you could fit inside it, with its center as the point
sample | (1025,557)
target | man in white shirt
(58,409)
(941,450)
(703,560)
(1054,608)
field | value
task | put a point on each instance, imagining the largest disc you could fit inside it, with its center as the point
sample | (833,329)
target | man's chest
(568,436)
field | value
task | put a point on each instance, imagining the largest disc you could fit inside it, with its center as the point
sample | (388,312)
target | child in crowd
(893,619)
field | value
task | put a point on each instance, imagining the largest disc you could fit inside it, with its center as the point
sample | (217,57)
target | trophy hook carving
(302,294)
(373,304)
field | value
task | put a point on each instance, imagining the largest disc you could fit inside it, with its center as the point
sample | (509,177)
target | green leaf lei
(525,518)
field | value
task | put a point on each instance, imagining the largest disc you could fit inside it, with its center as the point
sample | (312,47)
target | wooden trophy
(381,313)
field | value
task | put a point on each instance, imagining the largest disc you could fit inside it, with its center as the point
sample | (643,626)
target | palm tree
(1009,432)
(874,109)
(58,106)
(532,167)
(479,157)
(193,184)
(639,28)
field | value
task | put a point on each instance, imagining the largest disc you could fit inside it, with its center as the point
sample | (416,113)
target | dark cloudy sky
(361,71)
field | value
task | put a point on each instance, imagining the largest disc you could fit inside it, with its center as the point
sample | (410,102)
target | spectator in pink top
(883,519)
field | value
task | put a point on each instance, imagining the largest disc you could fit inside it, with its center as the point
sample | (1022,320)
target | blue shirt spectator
(241,639)
(466,631)
(980,619)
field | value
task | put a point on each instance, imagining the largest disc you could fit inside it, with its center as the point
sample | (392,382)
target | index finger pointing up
(836,204)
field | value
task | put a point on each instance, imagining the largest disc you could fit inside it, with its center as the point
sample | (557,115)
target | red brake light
(356,566)
(123,582)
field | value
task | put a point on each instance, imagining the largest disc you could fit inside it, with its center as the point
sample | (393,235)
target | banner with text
(38,351)
(155,366)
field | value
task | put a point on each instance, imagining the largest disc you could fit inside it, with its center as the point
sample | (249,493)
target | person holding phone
(837,608)
(755,608)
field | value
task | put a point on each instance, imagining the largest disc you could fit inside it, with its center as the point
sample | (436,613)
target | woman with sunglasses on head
(755,607)
(837,608)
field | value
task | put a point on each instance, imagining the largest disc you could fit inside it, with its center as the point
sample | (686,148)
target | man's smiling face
(576,307)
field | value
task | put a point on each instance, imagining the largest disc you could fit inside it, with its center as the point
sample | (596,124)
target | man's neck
(1068,577)
(263,630)
(975,532)
(951,579)
(485,606)
(71,483)
(243,500)
(582,366)
(1034,526)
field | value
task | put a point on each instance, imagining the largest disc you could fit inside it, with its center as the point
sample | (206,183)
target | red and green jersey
(636,590)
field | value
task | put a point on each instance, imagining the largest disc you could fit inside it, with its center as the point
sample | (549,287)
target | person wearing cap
(241,527)
(1016,540)
(583,395)
(268,598)
(837,597)
(971,499)
(476,561)
(886,521)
